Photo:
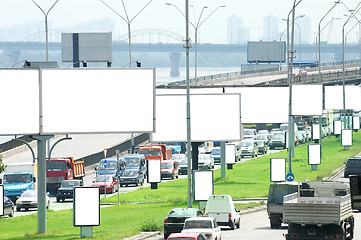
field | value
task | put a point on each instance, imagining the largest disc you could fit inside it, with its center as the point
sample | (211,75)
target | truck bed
(316,210)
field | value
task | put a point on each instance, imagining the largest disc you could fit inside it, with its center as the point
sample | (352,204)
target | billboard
(334,97)
(86,206)
(266,52)
(314,154)
(214,117)
(278,169)
(310,105)
(203,184)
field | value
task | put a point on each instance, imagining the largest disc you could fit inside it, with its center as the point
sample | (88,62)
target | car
(216,154)
(277,141)
(183,166)
(9,207)
(174,222)
(136,162)
(66,189)
(262,147)
(186,236)
(264,138)
(262,132)
(301,138)
(106,183)
(131,176)
(246,147)
(305,135)
(179,157)
(207,226)
(109,166)
(222,209)
(205,161)
(29,199)
(249,133)
(352,167)
(169,169)
(299,72)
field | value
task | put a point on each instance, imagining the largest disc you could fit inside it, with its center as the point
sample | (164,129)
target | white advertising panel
(86,206)
(263,104)
(314,154)
(1,200)
(19,98)
(154,172)
(337,127)
(98,100)
(266,51)
(278,169)
(307,100)
(315,131)
(346,137)
(203,185)
(230,153)
(334,97)
(214,117)
(356,123)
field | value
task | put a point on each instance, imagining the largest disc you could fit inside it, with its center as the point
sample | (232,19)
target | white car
(29,199)
(207,226)
(205,161)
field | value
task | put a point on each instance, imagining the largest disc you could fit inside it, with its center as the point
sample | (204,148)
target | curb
(143,236)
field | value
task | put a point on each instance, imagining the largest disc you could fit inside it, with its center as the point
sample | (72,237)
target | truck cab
(17,183)
(161,152)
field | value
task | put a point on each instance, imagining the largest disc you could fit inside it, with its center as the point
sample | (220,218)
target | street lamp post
(46,25)
(196,27)
(128,21)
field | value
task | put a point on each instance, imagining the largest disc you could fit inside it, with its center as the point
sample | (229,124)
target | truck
(59,169)
(319,210)
(355,187)
(18,178)
(276,193)
(160,151)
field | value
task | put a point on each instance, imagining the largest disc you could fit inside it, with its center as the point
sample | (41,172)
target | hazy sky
(161,16)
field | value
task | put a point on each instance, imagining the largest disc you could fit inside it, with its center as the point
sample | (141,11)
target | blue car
(109,167)
(216,154)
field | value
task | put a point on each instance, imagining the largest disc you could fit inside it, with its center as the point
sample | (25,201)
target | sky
(158,15)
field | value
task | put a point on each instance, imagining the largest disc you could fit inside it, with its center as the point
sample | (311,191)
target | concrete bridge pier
(174,57)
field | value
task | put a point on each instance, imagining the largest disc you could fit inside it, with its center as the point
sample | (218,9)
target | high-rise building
(236,33)
(270,28)
(305,26)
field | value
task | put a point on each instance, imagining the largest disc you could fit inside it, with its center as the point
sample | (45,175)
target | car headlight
(6,191)
(23,190)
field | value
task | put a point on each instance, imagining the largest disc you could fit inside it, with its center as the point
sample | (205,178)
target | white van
(221,208)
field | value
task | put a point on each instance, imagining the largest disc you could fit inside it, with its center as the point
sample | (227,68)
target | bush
(150,225)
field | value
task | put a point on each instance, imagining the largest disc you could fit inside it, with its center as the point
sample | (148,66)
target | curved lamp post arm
(210,14)
(140,10)
(171,4)
(114,11)
(28,145)
(60,140)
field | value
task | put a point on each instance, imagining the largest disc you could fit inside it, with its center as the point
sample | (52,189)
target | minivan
(221,208)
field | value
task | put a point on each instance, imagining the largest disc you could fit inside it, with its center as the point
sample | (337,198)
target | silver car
(205,161)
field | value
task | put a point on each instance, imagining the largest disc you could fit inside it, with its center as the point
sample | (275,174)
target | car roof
(200,218)
(168,161)
(185,234)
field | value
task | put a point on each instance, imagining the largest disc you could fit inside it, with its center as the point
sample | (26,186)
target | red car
(186,236)
(169,169)
(107,182)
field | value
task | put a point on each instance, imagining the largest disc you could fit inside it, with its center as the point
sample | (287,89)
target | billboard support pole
(223,159)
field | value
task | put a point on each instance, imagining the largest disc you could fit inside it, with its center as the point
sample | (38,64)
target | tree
(2,166)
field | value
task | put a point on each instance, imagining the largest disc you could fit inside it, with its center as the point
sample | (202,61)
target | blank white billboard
(230,153)
(154,172)
(356,123)
(86,206)
(334,97)
(314,154)
(220,122)
(19,102)
(337,127)
(307,100)
(346,137)
(315,131)
(278,169)
(203,185)
(98,100)
(263,104)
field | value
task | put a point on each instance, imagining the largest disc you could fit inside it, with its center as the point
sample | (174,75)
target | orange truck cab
(160,152)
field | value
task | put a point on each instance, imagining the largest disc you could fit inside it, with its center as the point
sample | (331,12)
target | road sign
(105,152)
(105,163)
(290,177)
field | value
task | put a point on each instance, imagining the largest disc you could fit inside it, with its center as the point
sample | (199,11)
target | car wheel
(57,199)
(238,225)
(18,209)
(231,225)
(172,176)
(12,212)
(136,184)
(26,209)
(166,235)
(142,183)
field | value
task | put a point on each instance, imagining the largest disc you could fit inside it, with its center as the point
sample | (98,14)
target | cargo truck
(161,152)
(59,169)
(18,178)
(319,210)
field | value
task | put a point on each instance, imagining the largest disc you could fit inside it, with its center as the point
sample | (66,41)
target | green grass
(246,180)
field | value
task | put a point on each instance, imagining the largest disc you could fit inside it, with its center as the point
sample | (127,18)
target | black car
(66,189)
(174,222)
(352,167)
(9,207)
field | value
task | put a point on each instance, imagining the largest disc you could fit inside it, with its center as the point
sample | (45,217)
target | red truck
(160,152)
(59,169)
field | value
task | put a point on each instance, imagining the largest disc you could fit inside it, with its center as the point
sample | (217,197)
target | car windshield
(203,157)
(150,152)
(248,132)
(55,166)
(246,144)
(29,194)
(103,178)
(181,212)
(129,173)
(109,165)
(17,178)
(197,224)
(166,165)
(278,137)
(261,137)
(260,143)
(178,157)
(184,162)
(70,183)
(216,151)
(132,162)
